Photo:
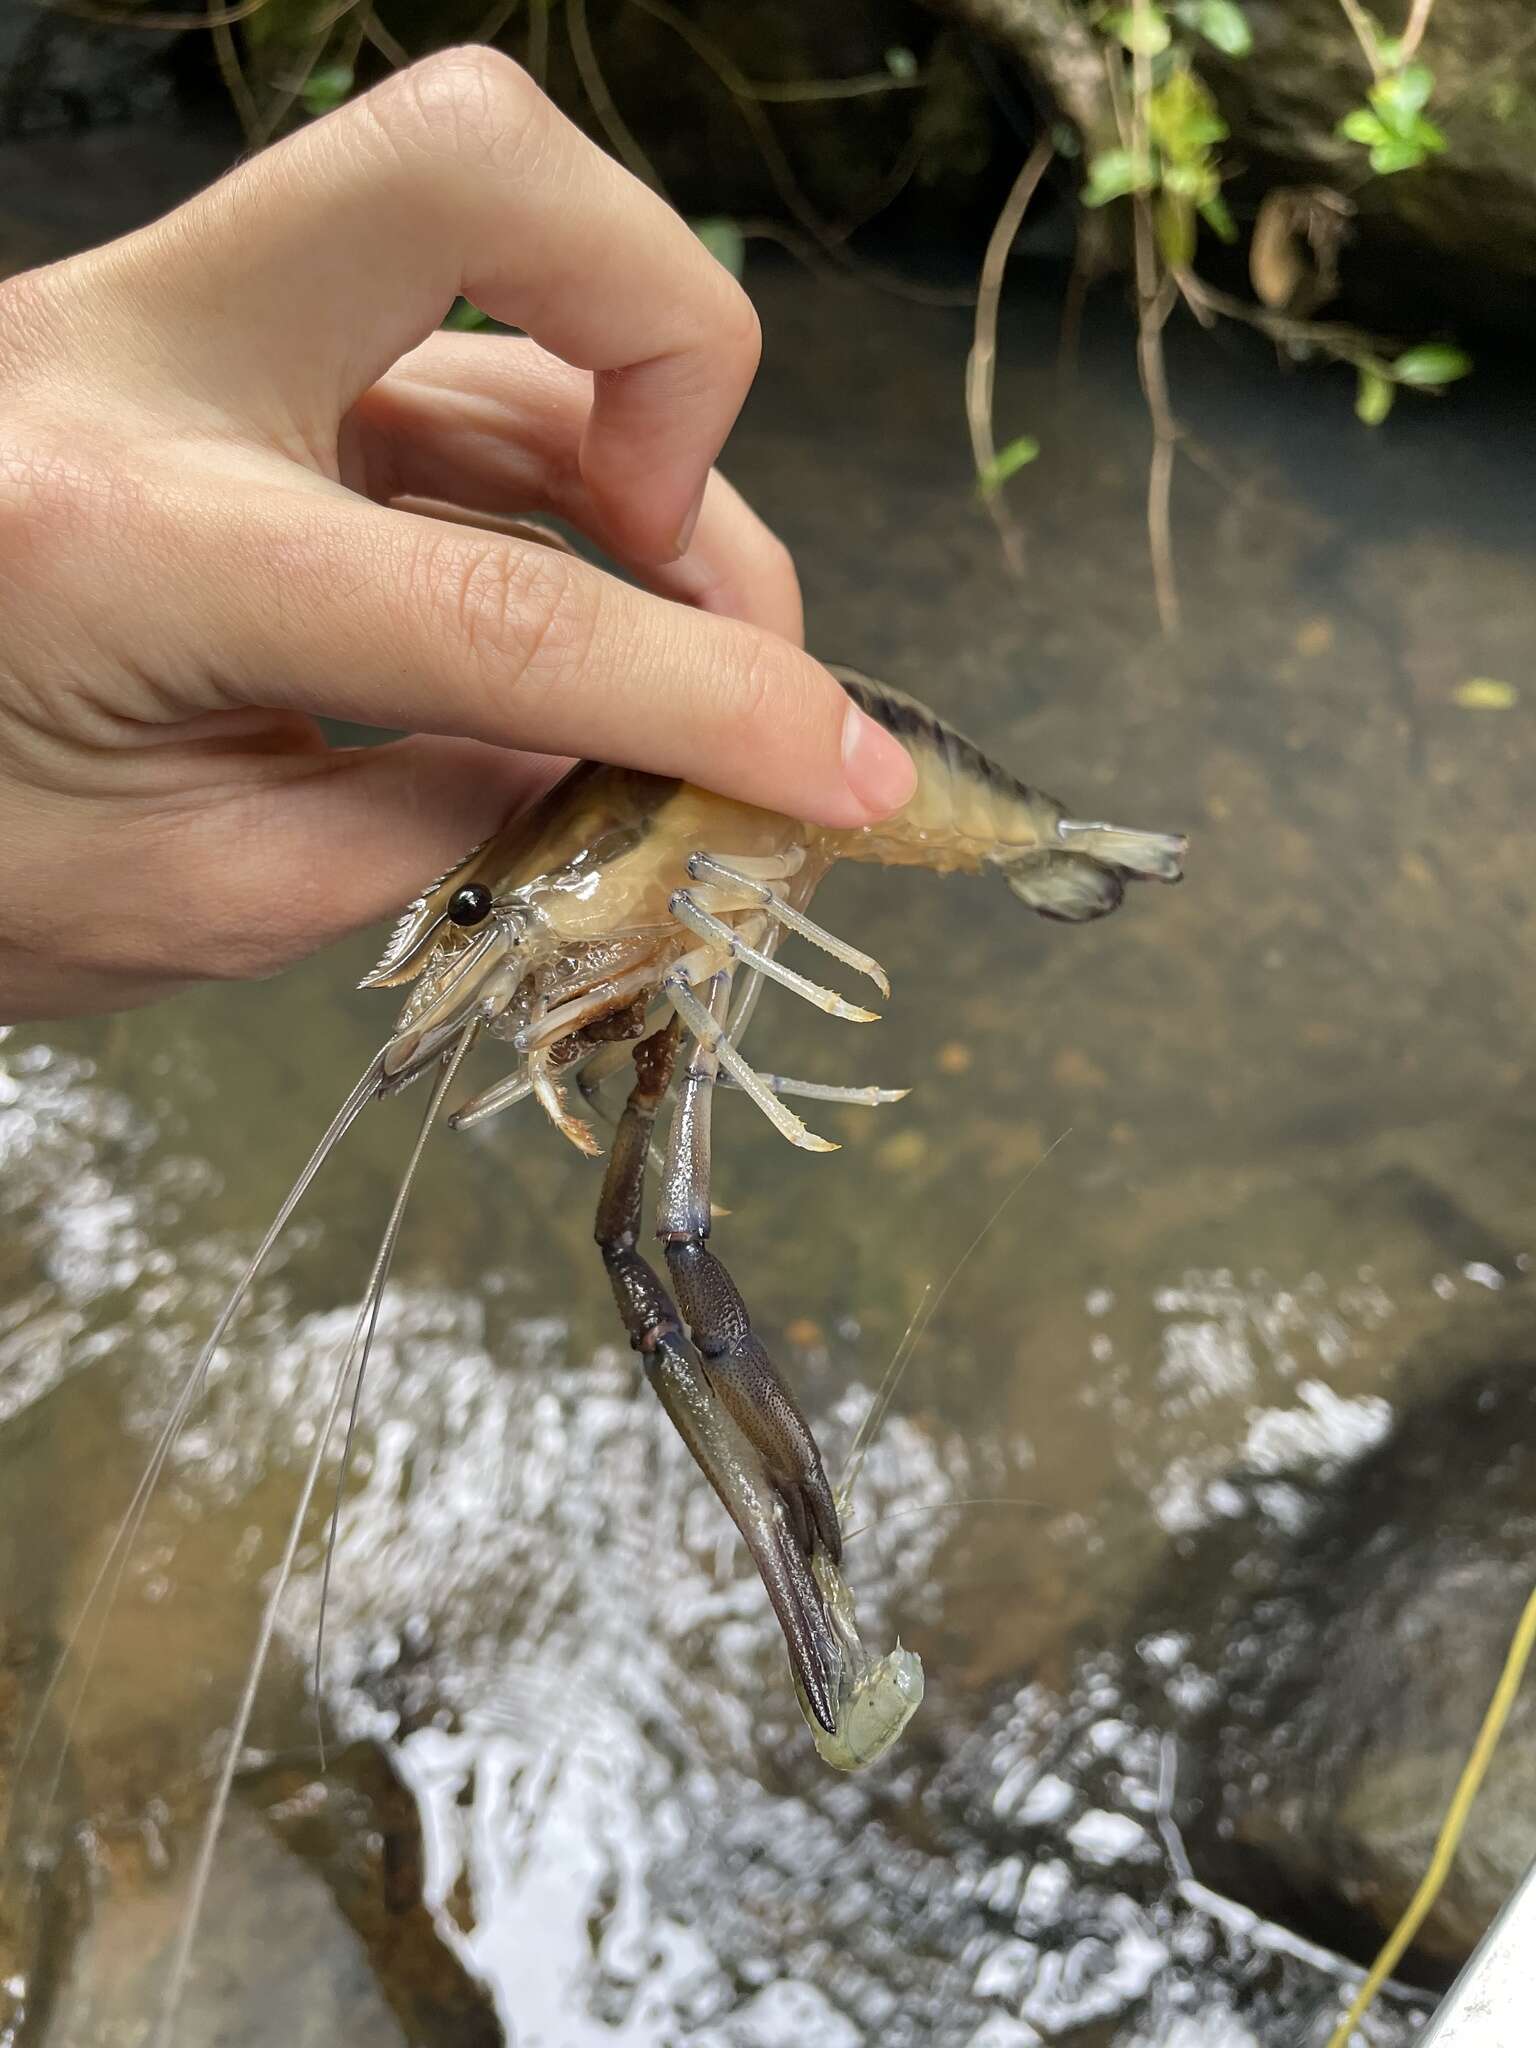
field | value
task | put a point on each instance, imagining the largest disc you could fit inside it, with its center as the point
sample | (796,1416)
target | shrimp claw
(738,1368)
(773,1531)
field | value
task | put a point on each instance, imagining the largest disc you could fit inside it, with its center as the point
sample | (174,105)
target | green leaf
(1403,93)
(1182,116)
(1485,693)
(1218,218)
(724,240)
(326,87)
(1115,172)
(900,62)
(1175,230)
(1361,125)
(1005,463)
(1143,30)
(1432,364)
(1396,154)
(1223,23)
(463,318)
(1373,401)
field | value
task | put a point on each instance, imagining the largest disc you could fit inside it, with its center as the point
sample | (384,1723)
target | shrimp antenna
(917,1329)
(115,1563)
(941,1507)
(874,1414)
(374,1291)
(353,1359)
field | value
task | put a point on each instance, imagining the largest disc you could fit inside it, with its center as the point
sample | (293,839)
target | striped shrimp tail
(1152,856)
(1084,877)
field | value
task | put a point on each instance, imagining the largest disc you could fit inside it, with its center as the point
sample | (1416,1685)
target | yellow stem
(1451,1828)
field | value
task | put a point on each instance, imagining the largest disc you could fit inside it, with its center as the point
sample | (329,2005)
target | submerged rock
(1352,1664)
(359,1829)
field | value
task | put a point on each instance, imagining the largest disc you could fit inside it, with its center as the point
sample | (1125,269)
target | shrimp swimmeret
(631,918)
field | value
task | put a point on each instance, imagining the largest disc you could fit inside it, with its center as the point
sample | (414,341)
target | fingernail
(877,767)
(684,537)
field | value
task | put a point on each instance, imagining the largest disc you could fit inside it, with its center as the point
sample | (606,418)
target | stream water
(1256,1143)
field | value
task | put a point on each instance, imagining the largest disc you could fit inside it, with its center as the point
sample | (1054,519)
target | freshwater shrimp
(623,897)
(628,916)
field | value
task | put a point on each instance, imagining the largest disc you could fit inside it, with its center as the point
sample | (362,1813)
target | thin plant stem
(538,41)
(981,364)
(493,21)
(1365,35)
(1334,337)
(389,47)
(1069,337)
(233,75)
(278,107)
(134,17)
(1468,1785)
(745,93)
(805,91)
(596,88)
(1418,21)
(1152,307)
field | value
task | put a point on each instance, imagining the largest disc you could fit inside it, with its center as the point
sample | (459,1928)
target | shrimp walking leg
(728,1459)
(739,1369)
(709,1033)
(688,911)
(824,1091)
(744,877)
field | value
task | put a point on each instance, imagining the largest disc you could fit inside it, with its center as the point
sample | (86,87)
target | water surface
(1253,1140)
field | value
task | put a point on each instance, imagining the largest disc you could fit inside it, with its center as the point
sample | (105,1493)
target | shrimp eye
(470,904)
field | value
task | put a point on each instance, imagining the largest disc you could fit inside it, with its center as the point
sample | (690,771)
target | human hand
(211,433)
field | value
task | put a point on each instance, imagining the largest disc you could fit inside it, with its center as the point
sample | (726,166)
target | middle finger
(494,425)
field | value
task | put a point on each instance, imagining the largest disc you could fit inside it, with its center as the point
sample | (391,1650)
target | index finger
(304,274)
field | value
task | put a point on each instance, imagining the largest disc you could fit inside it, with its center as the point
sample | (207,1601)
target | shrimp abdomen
(968,812)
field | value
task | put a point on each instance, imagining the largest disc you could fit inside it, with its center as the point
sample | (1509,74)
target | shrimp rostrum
(627,908)
(628,918)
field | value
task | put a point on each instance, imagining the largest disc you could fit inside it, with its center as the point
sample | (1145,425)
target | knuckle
(51,502)
(519,613)
(460,103)
(739,331)
(720,341)
(759,682)
(26,316)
